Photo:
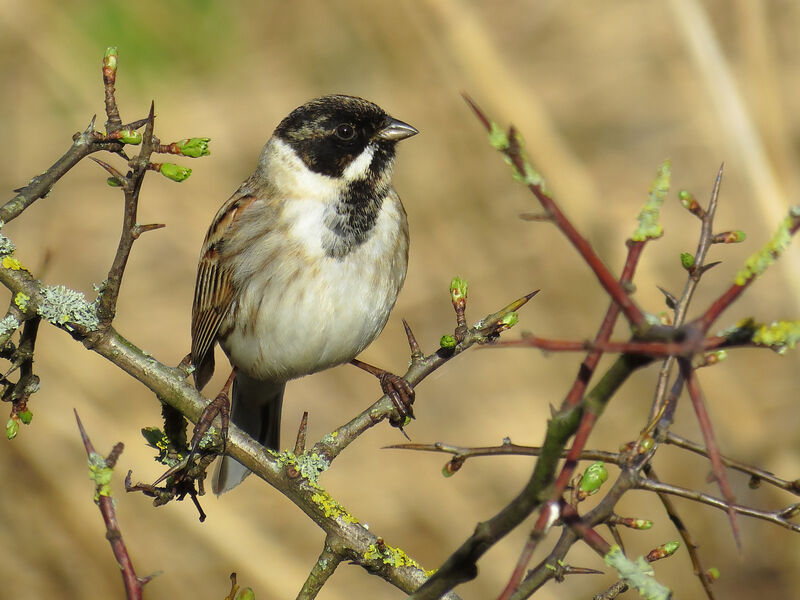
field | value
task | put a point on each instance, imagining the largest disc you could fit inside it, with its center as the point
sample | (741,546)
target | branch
(325,566)
(482,332)
(511,147)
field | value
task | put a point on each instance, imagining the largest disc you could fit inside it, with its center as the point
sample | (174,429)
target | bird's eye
(345,132)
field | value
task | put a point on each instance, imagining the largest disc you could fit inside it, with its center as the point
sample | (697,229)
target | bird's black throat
(352,219)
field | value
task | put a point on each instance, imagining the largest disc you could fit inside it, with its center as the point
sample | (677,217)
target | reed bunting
(302,265)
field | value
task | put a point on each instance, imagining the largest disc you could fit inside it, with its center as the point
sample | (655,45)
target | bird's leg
(397,388)
(221,405)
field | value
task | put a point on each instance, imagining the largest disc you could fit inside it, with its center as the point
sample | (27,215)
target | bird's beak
(396,130)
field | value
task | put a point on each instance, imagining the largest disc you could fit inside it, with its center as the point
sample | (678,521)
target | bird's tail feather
(256,409)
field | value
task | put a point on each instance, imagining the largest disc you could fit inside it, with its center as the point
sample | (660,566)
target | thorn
(416,353)
(140,229)
(86,442)
(519,303)
(529,216)
(300,444)
(477,110)
(109,169)
(671,300)
(135,124)
(709,266)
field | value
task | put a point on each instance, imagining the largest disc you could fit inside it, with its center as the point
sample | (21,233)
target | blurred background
(603,93)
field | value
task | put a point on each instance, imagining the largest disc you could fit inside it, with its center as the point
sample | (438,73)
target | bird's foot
(397,388)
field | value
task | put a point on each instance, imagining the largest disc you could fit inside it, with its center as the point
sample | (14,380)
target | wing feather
(214,290)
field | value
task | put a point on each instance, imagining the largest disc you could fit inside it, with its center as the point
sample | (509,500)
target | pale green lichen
(637,574)
(309,464)
(761,260)
(331,508)
(8,324)
(395,557)
(6,246)
(62,306)
(778,335)
(649,226)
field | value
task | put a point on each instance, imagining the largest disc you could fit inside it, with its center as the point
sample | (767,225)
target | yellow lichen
(331,508)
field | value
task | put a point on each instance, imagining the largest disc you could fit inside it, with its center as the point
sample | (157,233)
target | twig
(83,144)
(513,151)
(101,473)
(779,517)
(483,331)
(755,473)
(696,395)
(461,454)
(107,305)
(688,540)
(682,305)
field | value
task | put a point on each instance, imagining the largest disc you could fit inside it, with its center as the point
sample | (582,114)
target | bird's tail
(256,409)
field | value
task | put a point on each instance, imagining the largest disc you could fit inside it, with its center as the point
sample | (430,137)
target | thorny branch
(648,342)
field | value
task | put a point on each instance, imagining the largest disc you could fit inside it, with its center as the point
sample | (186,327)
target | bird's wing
(214,290)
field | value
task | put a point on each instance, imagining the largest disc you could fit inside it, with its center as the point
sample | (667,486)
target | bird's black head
(330,132)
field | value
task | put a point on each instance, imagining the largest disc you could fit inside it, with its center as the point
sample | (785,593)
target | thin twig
(107,306)
(698,402)
(133,584)
(682,305)
(683,531)
(779,517)
(755,473)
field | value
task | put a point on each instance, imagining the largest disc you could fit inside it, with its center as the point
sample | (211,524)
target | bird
(302,265)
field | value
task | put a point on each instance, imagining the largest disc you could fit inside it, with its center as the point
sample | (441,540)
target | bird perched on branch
(302,265)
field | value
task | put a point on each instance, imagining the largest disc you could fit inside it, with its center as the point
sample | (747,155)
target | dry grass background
(603,92)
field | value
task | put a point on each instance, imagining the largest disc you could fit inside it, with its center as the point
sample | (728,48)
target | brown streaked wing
(213,292)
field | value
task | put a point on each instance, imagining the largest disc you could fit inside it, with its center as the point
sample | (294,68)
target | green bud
(509,320)
(447,471)
(687,260)
(113,182)
(740,236)
(246,594)
(713,573)
(670,548)
(175,172)
(447,342)
(458,289)
(110,58)
(641,524)
(595,476)
(686,198)
(12,428)
(25,416)
(194,147)
(129,136)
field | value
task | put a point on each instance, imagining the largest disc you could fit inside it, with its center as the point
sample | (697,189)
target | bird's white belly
(312,313)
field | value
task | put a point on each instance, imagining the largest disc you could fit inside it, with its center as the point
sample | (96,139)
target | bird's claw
(402,396)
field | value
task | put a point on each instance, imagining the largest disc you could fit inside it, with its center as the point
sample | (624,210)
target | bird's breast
(301,310)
